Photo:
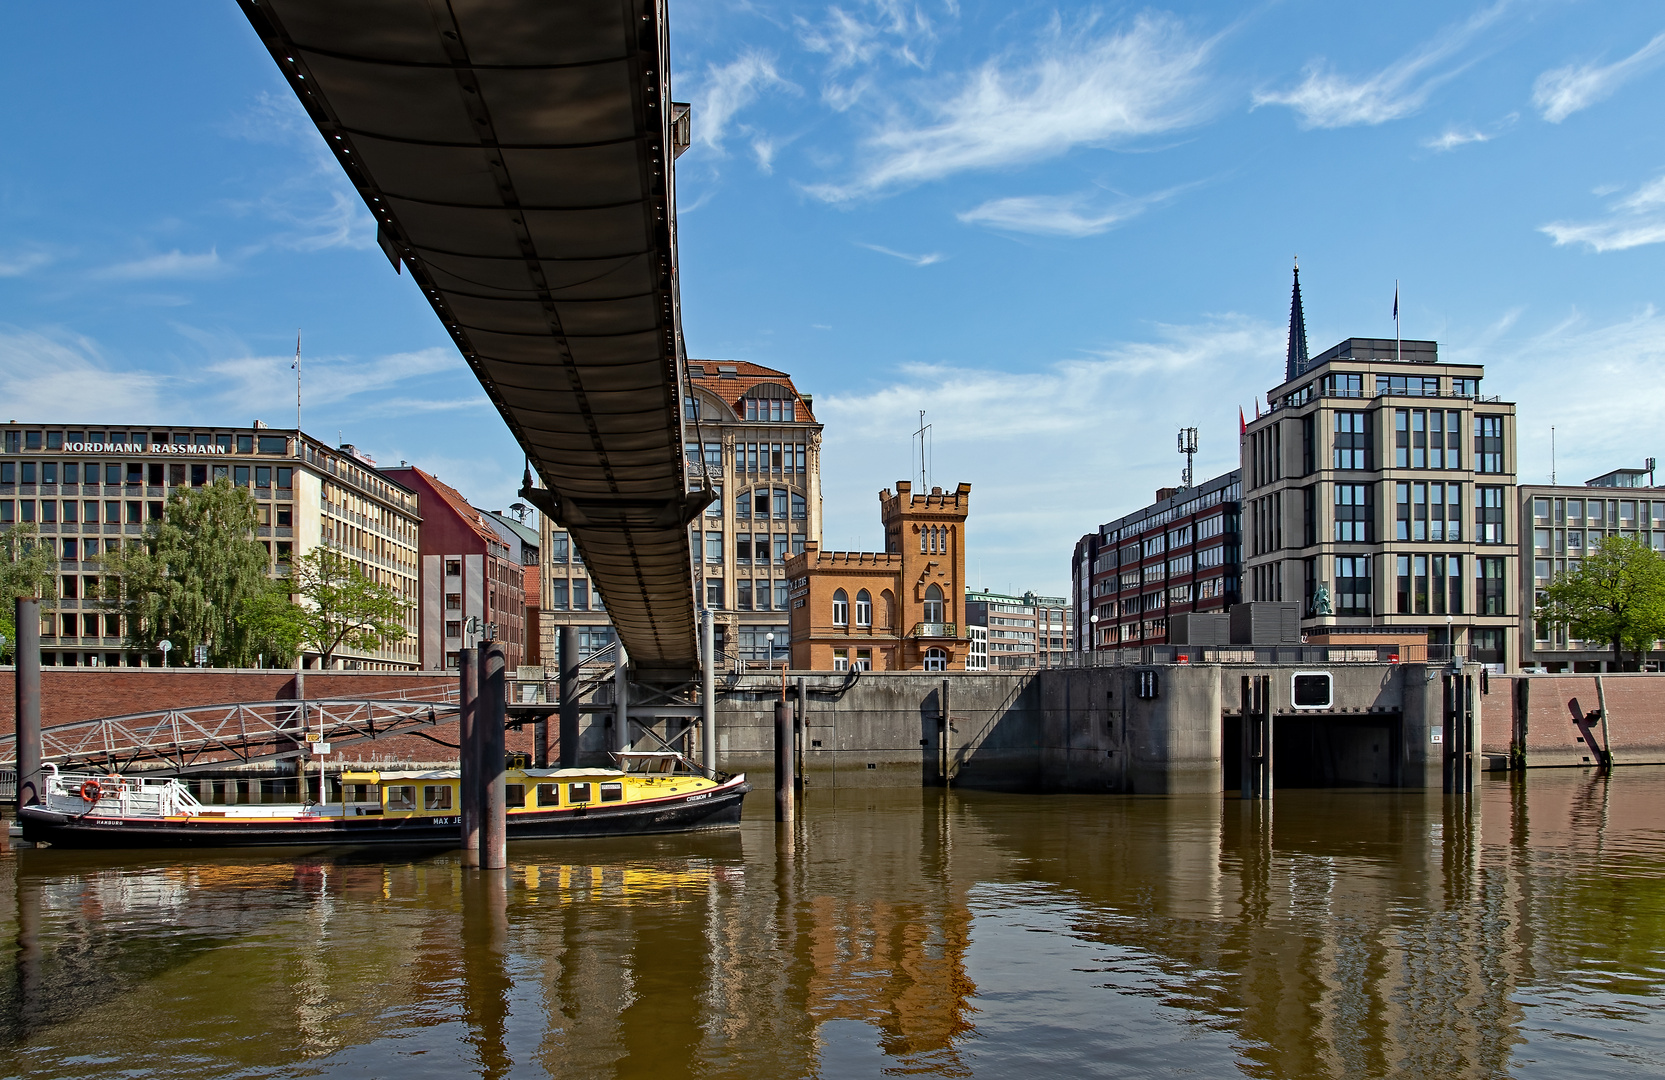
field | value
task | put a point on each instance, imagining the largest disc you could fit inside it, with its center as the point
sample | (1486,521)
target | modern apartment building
(1378,491)
(1564,523)
(755,437)
(1182,553)
(471,579)
(89,489)
(1026,631)
(900,609)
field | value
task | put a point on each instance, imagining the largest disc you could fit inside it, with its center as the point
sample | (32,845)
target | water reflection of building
(1353,934)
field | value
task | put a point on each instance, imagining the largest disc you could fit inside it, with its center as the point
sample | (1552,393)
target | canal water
(889,933)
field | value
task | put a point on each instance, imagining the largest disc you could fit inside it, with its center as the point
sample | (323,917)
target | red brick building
(467,572)
(897,610)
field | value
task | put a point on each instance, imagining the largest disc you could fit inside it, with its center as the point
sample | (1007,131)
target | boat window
(514,795)
(612,791)
(401,798)
(578,793)
(549,794)
(436,797)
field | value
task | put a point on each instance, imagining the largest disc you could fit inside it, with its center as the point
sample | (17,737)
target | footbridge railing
(214,736)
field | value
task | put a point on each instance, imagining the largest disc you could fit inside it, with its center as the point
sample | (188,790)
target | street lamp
(1092,633)
(166,646)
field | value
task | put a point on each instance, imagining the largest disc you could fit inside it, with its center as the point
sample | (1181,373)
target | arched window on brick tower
(864,608)
(933,605)
(841,608)
(887,609)
(936,660)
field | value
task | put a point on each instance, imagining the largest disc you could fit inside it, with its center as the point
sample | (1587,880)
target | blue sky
(1064,232)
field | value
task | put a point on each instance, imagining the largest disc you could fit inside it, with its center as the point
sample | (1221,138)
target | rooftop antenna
(1398,346)
(1649,464)
(924,437)
(297,366)
(1552,455)
(1188,447)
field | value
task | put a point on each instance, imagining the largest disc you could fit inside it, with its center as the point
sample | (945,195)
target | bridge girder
(519,159)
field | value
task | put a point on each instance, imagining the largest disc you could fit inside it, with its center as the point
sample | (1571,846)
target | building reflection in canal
(1330,933)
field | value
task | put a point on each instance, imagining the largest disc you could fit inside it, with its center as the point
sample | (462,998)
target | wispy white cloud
(917,260)
(1635,220)
(1596,428)
(172,264)
(65,377)
(857,39)
(1453,137)
(19,263)
(1325,99)
(248,381)
(1082,214)
(724,90)
(1080,86)
(312,204)
(1106,412)
(1566,90)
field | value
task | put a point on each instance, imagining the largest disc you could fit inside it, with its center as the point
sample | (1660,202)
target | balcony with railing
(935,630)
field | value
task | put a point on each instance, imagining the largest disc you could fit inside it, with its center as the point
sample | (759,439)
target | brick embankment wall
(1543,706)
(71,694)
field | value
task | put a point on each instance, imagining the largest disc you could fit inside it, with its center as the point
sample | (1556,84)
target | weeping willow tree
(28,568)
(199,577)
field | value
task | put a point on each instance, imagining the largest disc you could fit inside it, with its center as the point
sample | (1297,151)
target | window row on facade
(73,441)
(750,457)
(1421,439)
(1353,384)
(140,474)
(749,549)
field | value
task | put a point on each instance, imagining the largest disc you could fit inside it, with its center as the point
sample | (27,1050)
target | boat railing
(665,763)
(80,794)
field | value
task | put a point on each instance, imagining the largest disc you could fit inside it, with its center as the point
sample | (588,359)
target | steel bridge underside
(518,157)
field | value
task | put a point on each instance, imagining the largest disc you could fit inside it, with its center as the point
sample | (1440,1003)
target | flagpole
(1398,342)
(297,386)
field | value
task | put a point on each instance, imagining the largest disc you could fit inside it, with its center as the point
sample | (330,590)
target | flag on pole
(1242,424)
(1396,303)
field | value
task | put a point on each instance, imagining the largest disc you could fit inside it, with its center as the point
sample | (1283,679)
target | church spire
(1298,358)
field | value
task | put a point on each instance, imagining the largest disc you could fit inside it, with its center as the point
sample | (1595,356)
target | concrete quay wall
(1081,730)
(1084,730)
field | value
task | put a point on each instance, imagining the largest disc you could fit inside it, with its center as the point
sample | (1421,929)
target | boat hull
(714,808)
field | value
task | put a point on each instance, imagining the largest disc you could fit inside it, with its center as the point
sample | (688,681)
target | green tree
(194,577)
(341,607)
(28,567)
(1617,596)
(272,625)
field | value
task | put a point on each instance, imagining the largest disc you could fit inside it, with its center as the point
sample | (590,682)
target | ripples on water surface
(1358,933)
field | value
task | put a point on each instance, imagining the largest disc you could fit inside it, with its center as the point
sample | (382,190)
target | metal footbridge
(204,737)
(518,157)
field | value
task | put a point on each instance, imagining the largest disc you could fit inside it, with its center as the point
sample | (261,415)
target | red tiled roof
(746,375)
(459,506)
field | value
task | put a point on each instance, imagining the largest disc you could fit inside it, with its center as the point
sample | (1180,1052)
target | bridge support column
(26,684)
(621,699)
(567,657)
(708,692)
(468,739)
(1256,739)
(490,716)
(785,796)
